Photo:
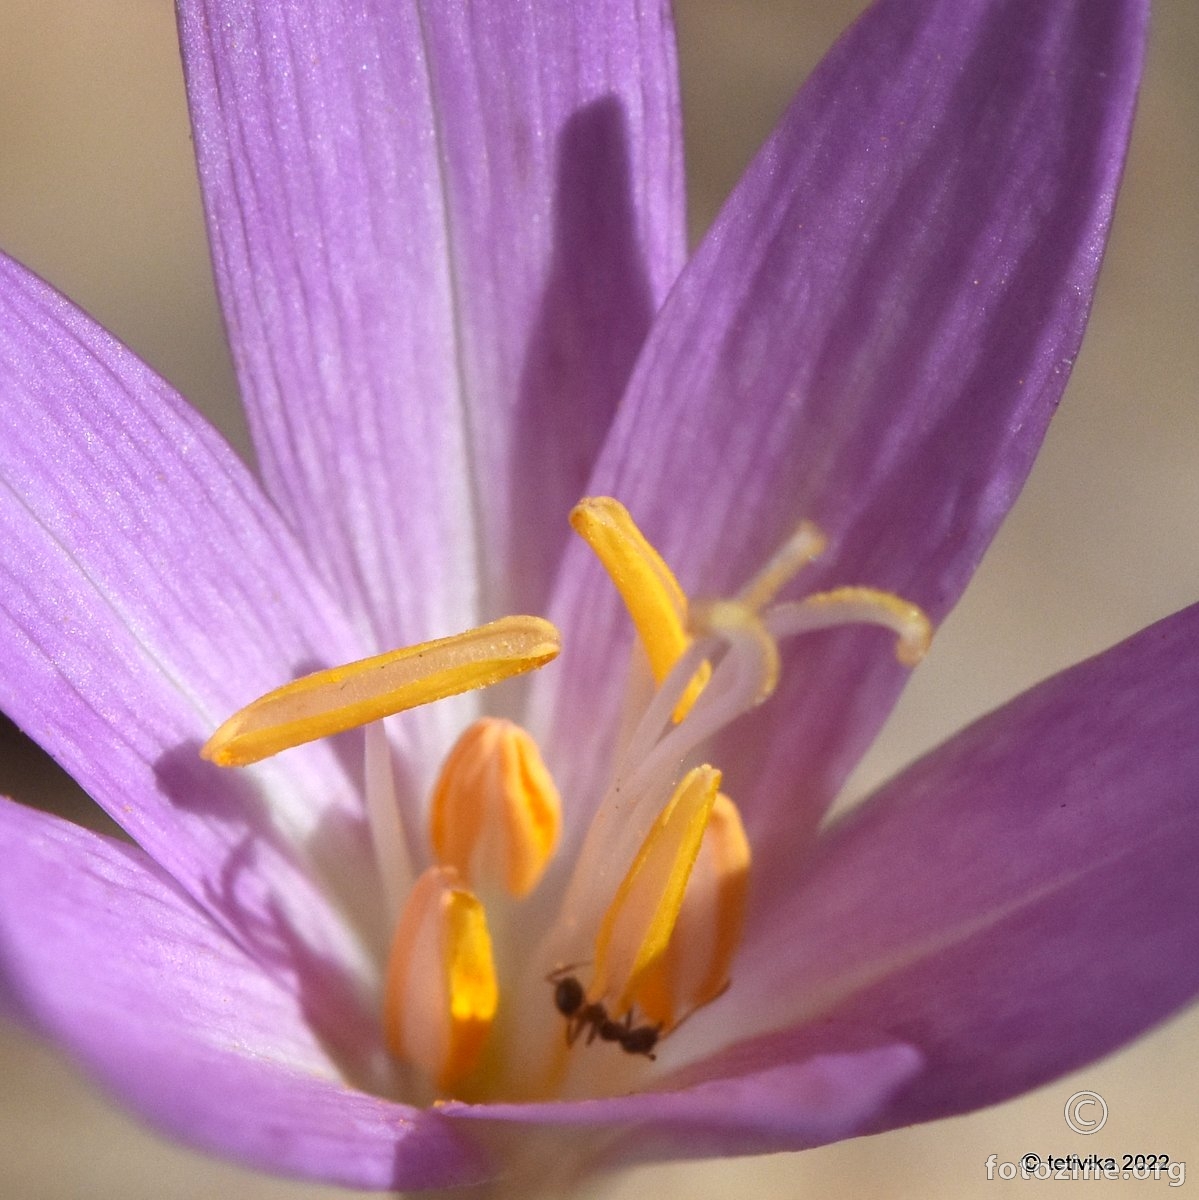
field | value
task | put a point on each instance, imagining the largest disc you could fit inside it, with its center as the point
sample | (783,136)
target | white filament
(390,846)
(650,769)
(908,623)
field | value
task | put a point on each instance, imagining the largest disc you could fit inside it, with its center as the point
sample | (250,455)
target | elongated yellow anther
(496,813)
(858,606)
(441,993)
(695,968)
(655,601)
(639,922)
(341,698)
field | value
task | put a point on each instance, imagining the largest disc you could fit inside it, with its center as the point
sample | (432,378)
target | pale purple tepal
(449,244)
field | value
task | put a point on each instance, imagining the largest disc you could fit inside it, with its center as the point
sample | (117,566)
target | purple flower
(449,245)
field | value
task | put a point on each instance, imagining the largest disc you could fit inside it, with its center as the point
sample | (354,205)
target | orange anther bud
(441,992)
(496,813)
(695,968)
(639,922)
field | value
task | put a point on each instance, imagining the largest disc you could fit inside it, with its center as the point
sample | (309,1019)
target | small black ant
(570,1000)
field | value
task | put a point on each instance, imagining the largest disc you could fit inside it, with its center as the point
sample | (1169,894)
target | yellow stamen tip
(609,529)
(341,698)
(638,924)
(441,994)
(496,813)
(695,968)
(655,601)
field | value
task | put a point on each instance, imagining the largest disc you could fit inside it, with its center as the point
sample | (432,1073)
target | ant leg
(574,1027)
(595,1015)
(561,972)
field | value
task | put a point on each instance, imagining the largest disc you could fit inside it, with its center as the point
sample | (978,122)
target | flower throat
(650,915)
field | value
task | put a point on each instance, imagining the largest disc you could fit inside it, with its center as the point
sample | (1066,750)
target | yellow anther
(855,606)
(441,992)
(652,595)
(496,813)
(637,927)
(341,698)
(695,968)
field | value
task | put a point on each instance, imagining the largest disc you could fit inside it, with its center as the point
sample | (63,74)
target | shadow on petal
(593,318)
(292,941)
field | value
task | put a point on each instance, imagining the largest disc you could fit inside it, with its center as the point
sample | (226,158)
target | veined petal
(1062,917)
(108,957)
(148,591)
(564,191)
(873,337)
(420,215)
(763,1104)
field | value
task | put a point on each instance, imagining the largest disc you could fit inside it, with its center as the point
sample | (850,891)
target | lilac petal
(1062,915)
(440,233)
(873,336)
(103,954)
(563,177)
(761,1105)
(149,591)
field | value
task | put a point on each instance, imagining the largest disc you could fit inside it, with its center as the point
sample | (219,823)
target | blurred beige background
(97,193)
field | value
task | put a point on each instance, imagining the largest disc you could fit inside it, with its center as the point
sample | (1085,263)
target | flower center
(487,991)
